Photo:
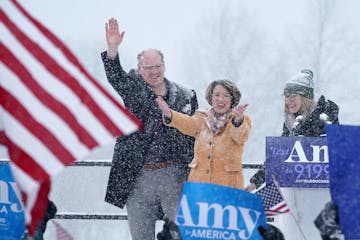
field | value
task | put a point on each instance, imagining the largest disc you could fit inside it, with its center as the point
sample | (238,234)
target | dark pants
(154,188)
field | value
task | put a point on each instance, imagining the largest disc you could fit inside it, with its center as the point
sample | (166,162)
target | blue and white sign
(298,161)
(209,211)
(12,221)
(344,151)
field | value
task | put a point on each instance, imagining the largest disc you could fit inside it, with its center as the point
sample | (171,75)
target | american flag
(273,200)
(60,232)
(52,110)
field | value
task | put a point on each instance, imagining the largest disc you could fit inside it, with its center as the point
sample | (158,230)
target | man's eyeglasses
(150,68)
(291,96)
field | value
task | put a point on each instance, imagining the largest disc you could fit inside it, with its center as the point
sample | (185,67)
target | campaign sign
(209,211)
(344,153)
(297,161)
(12,221)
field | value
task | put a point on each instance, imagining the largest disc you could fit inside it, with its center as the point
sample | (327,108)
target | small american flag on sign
(273,200)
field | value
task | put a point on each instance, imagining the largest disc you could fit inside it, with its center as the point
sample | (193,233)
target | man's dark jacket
(129,151)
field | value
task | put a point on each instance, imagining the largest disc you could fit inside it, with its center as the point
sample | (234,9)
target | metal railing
(92,216)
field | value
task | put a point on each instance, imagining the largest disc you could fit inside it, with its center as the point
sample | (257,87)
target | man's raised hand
(113,37)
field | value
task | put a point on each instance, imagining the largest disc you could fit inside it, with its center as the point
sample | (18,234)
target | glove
(327,108)
(332,110)
(259,178)
(271,233)
(328,222)
(49,214)
(170,231)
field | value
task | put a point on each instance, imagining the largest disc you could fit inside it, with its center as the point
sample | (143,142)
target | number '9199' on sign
(311,171)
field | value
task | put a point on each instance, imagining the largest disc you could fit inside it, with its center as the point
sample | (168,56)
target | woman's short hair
(229,86)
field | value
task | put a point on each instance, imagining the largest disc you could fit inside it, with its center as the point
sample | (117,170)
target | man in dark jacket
(149,166)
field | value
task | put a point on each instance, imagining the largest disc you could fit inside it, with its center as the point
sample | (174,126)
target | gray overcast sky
(163,24)
(158,17)
(156,23)
(167,24)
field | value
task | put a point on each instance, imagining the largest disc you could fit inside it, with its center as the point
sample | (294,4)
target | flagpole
(291,213)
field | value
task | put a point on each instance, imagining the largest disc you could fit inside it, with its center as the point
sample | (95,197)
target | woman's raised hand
(163,106)
(238,111)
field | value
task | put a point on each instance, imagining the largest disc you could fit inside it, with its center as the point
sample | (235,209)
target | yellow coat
(217,158)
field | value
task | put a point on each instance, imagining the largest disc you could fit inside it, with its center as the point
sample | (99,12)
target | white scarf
(217,124)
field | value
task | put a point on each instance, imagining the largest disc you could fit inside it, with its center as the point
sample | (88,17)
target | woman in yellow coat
(220,135)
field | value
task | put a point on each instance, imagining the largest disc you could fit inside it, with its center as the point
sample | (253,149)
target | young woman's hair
(307,106)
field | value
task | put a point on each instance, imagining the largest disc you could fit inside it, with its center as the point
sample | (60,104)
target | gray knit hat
(302,84)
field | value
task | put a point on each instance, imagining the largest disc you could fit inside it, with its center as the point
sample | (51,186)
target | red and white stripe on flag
(60,232)
(52,111)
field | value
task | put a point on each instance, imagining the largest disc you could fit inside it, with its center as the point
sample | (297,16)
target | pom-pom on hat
(302,84)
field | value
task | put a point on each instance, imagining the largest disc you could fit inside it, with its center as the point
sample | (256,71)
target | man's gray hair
(143,51)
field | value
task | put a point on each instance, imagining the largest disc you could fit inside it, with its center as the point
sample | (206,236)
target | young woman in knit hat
(306,117)
(303,116)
